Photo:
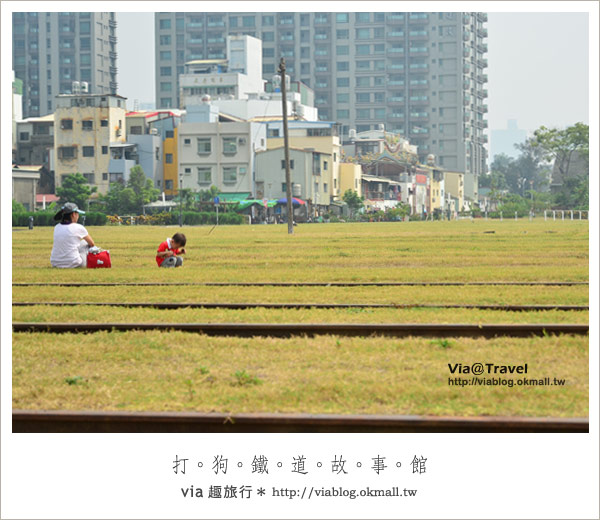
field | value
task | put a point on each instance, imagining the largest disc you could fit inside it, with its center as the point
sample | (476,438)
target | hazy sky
(538,66)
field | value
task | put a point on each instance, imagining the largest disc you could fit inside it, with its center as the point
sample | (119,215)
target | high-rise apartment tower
(418,74)
(52,50)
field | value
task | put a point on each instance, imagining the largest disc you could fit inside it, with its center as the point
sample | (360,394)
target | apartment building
(87,127)
(52,50)
(419,74)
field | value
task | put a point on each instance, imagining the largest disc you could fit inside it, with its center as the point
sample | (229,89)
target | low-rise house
(24,185)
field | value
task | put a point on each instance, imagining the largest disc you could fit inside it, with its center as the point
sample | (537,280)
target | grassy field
(178,371)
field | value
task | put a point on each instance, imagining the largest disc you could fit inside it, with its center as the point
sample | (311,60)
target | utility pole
(180,200)
(286,145)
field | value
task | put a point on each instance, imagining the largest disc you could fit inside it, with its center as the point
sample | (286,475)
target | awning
(233,197)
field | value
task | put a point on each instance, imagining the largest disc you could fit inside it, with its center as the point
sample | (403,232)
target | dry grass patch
(178,371)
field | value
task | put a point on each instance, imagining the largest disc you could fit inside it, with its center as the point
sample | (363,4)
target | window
(363,65)
(67,152)
(363,17)
(87,125)
(84,27)
(268,36)
(169,158)
(204,174)
(169,134)
(104,150)
(363,34)
(187,142)
(136,130)
(105,176)
(88,151)
(268,20)
(248,21)
(342,50)
(283,164)
(325,185)
(363,50)
(378,33)
(204,147)
(165,102)
(165,24)
(24,136)
(379,113)
(268,52)
(364,81)
(343,82)
(66,124)
(165,39)
(284,187)
(165,71)
(165,55)
(168,185)
(363,97)
(229,174)
(341,17)
(343,66)
(363,113)
(187,170)
(180,24)
(379,97)
(104,122)
(325,168)
(268,68)
(89,177)
(342,34)
(165,86)
(343,98)
(229,145)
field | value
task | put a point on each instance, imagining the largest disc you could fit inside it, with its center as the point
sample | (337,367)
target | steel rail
(38,421)
(290,284)
(217,305)
(287,330)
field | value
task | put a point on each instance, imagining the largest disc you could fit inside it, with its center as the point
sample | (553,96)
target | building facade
(86,129)
(52,50)
(420,74)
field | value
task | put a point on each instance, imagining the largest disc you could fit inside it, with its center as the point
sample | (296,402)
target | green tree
(75,188)
(17,207)
(120,200)
(209,194)
(558,145)
(143,188)
(354,201)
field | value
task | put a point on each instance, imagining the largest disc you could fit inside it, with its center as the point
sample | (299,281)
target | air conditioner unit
(242,140)
(154,131)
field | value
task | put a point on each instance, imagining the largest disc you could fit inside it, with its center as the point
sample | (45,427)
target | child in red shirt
(166,255)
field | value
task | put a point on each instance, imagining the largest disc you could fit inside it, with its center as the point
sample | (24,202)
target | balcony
(466,52)
(482,32)
(396,66)
(395,51)
(419,100)
(466,19)
(419,51)
(418,35)
(484,108)
(195,25)
(396,100)
(466,100)
(215,40)
(220,23)
(418,83)
(112,55)
(195,41)
(113,86)
(466,68)
(418,16)
(482,63)
(419,116)
(112,39)
(112,23)
(319,36)
(395,17)
(485,93)
(396,115)
(112,70)
(418,66)
(482,17)
(466,36)
(395,34)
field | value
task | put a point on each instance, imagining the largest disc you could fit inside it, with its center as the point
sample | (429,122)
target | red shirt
(166,245)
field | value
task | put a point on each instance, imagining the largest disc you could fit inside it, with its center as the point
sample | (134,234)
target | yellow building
(85,125)
(454,183)
(320,138)
(170,174)
(436,187)
(350,176)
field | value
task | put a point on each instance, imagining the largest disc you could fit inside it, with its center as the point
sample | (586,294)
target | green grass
(178,371)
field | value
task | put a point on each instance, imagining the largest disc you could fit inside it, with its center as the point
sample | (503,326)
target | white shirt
(67,238)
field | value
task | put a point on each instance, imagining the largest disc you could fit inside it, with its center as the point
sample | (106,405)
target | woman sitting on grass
(71,240)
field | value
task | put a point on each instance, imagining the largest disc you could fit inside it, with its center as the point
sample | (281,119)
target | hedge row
(46,218)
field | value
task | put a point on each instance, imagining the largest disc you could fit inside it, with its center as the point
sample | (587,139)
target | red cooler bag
(101,259)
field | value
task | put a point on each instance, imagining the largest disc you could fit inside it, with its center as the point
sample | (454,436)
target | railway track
(314,329)
(206,305)
(289,284)
(38,421)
